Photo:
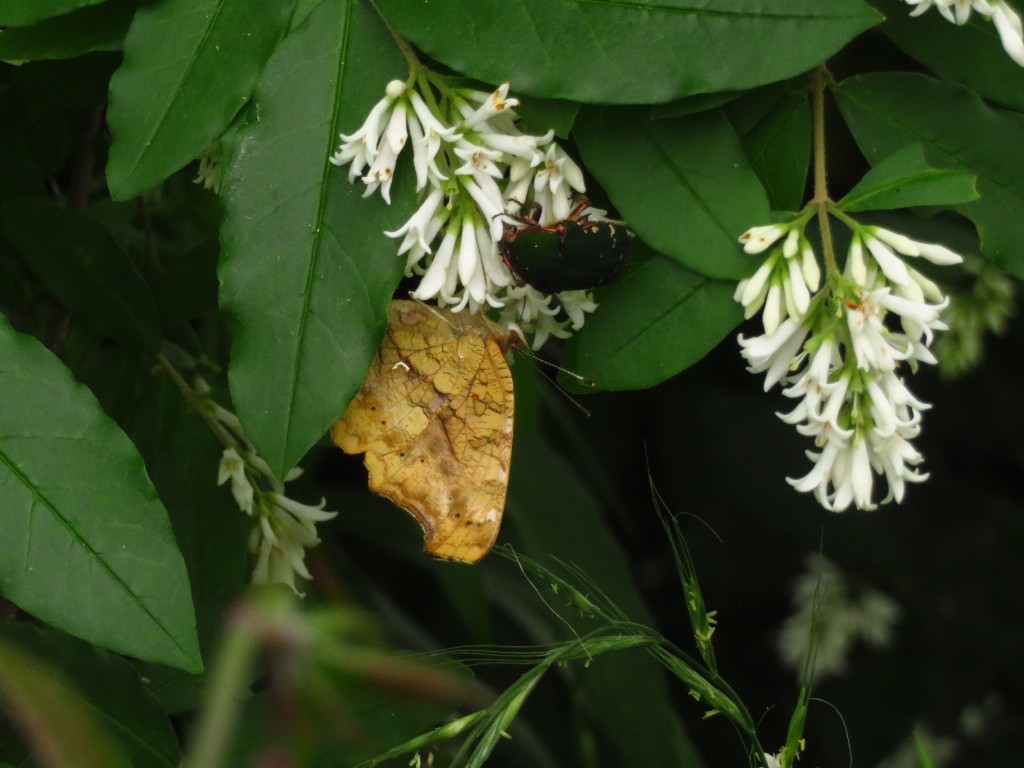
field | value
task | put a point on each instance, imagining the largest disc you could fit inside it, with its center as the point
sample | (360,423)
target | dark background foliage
(108,253)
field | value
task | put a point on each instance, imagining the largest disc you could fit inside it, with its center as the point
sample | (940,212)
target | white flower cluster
(473,168)
(833,612)
(1006,19)
(284,528)
(839,351)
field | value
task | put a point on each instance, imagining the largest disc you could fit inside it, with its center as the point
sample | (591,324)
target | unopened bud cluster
(473,167)
(841,350)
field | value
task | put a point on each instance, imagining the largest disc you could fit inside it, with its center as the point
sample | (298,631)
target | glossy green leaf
(888,111)
(211,530)
(170,101)
(683,185)
(19,13)
(87,546)
(778,147)
(691,105)
(306,272)
(81,264)
(627,695)
(540,115)
(905,179)
(59,724)
(630,52)
(93,28)
(657,320)
(971,54)
(111,687)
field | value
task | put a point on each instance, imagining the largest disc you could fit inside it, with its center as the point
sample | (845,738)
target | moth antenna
(554,382)
(433,310)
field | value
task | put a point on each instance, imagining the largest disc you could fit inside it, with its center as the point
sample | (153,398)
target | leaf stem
(415,65)
(819,79)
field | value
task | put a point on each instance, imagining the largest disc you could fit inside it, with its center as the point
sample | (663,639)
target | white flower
(874,346)
(784,283)
(832,612)
(556,184)
(491,104)
(757,239)
(918,318)
(1011,31)
(852,402)
(544,315)
(361,147)
(891,265)
(417,229)
(1005,18)
(286,530)
(233,466)
(436,275)
(823,394)
(477,160)
(896,458)
(466,148)
(517,145)
(576,305)
(936,254)
(809,265)
(404,116)
(752,291)
(774,352)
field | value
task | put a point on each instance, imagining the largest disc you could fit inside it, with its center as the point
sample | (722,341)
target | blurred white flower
(832,613)
(284,528)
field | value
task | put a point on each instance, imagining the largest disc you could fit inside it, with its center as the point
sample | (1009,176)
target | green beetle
(577,253)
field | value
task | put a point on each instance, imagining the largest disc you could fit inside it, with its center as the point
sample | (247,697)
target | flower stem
(819,79)
(403,44)
(195,401)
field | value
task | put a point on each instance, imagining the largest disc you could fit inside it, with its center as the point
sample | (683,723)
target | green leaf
(81,264)
(540,115)
(888,111)
(657,320)
(54,719)
(691,105)
(211,530)
(971,54)
(630,52)
(19,13)
(93,28)
(683,185)
(306,272)
(189,66)
(87,546)
(110,686)
(905,179)
(778,147)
